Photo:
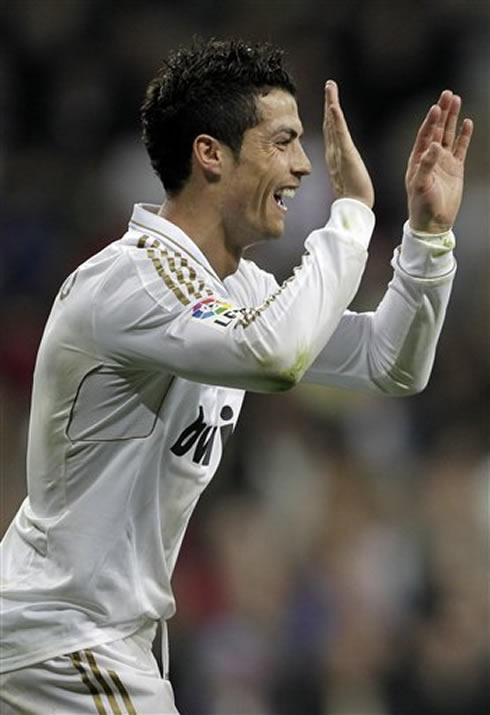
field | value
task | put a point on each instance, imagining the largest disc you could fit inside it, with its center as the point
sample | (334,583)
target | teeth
(286,193)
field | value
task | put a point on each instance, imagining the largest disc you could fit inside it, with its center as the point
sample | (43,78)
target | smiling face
(269,168)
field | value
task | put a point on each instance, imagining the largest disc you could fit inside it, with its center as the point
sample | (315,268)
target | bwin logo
(202,436)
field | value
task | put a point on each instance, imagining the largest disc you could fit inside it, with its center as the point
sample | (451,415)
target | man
(151,343)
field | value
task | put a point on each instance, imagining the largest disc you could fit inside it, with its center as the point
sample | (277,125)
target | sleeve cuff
(353,220)
(425,255)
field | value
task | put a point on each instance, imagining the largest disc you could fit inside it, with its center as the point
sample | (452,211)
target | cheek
(251,189)
(254,197)
(268,180)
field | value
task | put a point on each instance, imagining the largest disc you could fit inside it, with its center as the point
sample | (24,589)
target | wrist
(426,255)
(429,235)
(428,225)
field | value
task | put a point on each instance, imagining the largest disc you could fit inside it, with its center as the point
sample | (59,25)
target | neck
(199,219)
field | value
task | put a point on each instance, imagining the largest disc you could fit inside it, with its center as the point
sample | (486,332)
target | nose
(301,165)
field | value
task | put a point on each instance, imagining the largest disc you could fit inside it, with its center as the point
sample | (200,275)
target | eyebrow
(293,134)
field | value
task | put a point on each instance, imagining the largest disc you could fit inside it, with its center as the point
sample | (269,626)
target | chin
(275,236)
(265,237)
(274,232)
(269,232)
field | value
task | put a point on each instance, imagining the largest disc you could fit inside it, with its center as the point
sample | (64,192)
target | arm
(139,323)
(393,349)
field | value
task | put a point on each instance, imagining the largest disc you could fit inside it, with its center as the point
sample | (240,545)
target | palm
(434,178)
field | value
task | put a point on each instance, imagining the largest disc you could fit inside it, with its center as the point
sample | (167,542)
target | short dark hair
(211,88)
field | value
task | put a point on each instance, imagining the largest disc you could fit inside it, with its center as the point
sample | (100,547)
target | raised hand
(349,177)
(435,171)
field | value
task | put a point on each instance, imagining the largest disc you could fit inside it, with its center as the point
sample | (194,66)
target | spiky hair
(210,87)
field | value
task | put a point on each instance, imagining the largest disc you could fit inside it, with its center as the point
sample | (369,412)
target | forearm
(392,350)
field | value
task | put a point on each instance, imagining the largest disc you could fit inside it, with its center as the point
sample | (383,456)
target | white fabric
(431,263)
(139,381)
(392,349)
(119,678)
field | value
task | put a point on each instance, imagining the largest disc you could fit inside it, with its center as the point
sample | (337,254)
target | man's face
(270,166)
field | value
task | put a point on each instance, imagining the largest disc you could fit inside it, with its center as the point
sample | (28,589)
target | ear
(208,154)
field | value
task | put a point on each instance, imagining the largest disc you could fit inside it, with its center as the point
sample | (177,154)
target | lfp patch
(215,312)
(209,308)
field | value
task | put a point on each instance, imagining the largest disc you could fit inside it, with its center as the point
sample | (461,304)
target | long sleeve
(147,314)
(392,350)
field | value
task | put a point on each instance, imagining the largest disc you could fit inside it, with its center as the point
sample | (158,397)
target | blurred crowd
(339,562)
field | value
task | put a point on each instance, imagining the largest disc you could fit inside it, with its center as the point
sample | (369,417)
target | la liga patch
(209,308)
(215,312)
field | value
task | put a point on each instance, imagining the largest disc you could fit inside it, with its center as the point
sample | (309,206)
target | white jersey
(139,381)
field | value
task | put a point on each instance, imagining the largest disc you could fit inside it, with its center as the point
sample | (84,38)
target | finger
(444,103)
(335,119)
(427,129)
(331,95)
(327,116)
(328,123)
(329,98)
(429,160)
(331,92)
(424,138)
(451,122)
(463,140)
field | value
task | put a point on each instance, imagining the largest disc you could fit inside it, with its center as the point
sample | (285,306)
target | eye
(283,141)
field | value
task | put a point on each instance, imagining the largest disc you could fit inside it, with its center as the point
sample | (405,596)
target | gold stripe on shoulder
(185,264)
(165,277)
(177,263)
(174,243)
(175,279)
(144,238)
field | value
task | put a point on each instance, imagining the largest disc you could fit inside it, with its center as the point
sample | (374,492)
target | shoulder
(163,271)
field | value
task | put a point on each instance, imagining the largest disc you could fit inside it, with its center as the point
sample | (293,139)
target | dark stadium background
(338,564)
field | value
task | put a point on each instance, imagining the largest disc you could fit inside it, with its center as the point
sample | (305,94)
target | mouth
(286,192)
